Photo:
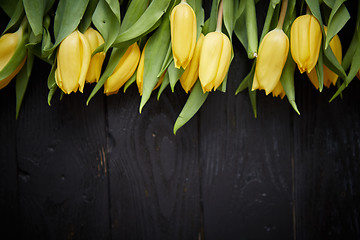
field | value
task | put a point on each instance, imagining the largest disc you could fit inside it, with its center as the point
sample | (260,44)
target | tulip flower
(9,43)
(191,74)
(305,41)
(271,60)
(140,73)
(95,40)
(278,91)
(329,76)
(124,70)
(183,34)
(214,61)
(73,59)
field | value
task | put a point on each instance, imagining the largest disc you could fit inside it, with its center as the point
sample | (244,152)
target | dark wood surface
(104,171)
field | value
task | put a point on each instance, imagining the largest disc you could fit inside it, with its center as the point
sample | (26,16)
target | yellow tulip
(329,76)
(73,59)
(140,73)
(278,91)
(215,56)
(95,40)
(271,60)
(191,74)
(124,70)
(183,34)
(305,41)
(8,44)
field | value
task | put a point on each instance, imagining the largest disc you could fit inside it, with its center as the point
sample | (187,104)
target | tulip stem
(282,14)
(220,17)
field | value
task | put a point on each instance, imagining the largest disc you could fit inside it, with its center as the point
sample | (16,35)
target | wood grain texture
(8,164)
(63,185)
(246,163)
(154,177)
(327,166)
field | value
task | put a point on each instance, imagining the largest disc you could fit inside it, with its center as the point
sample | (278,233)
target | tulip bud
(140,73)
(95,40)
(183,34)
(305,41)
(329,76)
(123,70)
(279,91)
(9,43)
(73,59)
(271,60)
(215,56)
(191,73)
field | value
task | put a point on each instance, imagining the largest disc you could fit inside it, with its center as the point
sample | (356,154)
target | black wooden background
(104,171)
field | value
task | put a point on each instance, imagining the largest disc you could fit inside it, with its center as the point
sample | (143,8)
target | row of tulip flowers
(161,42)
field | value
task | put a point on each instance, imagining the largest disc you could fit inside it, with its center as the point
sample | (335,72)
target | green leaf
(210,24)
(9,6)
(200,15)
(251,28)
(355,66)
(130,81)
(195,101)
(290,16)
(350,52)
(269,16)
(106,22)
(133,13)
(229,16)
(167,60)
(145,23)
(35,10)
(245,82)
(67,19)
(87,17)
(314,6)
(16,17)
(115,8)
(115,57)
(252,94)
(332,63)
(287,81)
(338,18)
(174,75)
(22,80)
(155,53)
(240,29)
(163,85)
(329,3)
(320,70)
(51,83)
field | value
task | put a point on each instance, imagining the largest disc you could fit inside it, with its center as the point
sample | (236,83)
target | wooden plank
(327,166)
(63,176)
(245,162)
(8,165)
(154,175)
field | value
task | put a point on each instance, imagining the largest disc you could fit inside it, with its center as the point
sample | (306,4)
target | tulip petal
(191,74)
(183,34)
(209,59)
(124,70)
(85,54)
(224,62)
(269,68)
